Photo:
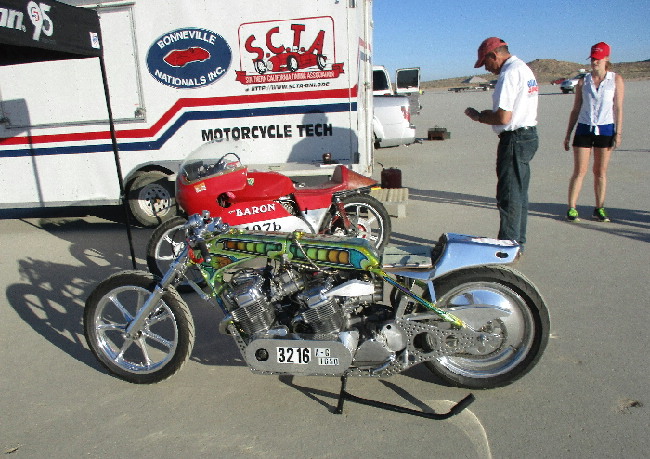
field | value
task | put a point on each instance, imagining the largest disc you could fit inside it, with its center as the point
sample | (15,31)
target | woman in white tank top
(598,111)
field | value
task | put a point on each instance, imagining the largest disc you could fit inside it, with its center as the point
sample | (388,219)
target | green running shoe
(572,215)
(600,215)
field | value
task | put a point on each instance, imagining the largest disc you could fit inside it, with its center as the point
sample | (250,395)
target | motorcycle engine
(281,312)
(248,304)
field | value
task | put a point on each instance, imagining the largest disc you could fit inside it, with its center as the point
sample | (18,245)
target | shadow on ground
(50,295)
(628,223)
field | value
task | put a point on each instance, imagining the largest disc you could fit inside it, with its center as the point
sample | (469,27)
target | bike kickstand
(344,395)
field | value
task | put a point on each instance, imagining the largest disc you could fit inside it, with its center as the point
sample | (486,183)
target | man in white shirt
(514,118)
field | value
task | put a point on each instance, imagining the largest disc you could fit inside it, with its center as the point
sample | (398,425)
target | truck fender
(377,128)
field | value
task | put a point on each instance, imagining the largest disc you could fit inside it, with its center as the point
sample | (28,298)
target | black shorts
(592,140)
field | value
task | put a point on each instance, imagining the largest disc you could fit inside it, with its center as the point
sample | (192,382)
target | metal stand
(344,395)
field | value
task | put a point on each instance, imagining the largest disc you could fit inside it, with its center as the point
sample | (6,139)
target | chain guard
(444,342)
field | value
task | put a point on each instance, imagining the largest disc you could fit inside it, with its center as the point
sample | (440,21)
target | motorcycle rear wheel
(525,327)
(165,243)
(368,217)
(159,349)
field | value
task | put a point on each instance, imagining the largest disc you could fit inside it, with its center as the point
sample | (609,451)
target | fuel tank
(298,247)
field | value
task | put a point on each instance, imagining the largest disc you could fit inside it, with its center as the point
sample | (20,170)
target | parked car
(569,85)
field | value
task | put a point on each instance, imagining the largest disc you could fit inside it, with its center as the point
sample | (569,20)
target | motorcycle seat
(407,257)
(342,179)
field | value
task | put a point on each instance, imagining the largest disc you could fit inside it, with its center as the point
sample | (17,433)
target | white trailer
(279,82)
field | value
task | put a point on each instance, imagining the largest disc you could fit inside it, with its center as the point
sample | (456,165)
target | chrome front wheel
(148,355)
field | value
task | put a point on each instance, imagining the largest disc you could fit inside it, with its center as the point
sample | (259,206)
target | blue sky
(441,37)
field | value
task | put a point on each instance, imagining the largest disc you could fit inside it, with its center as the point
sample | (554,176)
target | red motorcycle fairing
(263,186)
(244,213)
(253,189)
(195,196)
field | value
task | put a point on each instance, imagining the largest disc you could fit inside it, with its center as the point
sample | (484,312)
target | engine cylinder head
(247,303)
(323,314)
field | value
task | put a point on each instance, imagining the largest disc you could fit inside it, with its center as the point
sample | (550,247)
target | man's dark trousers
(516,150)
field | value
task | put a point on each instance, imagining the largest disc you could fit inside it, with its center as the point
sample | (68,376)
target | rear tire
(368,217)
(260,67)
(524,329)
(160,348)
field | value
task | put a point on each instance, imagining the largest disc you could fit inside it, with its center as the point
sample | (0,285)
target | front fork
(340,209)
(177,268)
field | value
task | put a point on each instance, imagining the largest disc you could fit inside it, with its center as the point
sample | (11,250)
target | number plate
(303,355)
(300,355)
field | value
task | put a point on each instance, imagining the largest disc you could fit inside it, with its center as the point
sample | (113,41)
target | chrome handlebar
(200,227)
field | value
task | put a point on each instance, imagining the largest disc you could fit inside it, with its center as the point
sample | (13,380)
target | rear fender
(462,251)
(351,180)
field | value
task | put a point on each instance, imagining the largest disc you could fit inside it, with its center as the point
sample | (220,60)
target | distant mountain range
(548,70)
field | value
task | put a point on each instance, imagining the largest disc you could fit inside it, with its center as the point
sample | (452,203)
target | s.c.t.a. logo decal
(288,51)
(189,58)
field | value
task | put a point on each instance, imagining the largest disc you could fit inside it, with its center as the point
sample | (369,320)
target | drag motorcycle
(268,201)
(304,304)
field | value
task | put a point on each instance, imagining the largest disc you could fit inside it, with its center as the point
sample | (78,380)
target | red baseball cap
(488,45)
(599,51)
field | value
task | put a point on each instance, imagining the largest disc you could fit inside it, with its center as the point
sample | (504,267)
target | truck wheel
(151,198)
(375,141)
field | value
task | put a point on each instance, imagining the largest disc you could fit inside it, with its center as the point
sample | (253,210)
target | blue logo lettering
(189,58)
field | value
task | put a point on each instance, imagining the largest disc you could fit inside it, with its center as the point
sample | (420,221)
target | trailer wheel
(151,198)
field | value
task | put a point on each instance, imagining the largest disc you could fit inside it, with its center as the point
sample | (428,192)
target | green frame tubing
(235,247)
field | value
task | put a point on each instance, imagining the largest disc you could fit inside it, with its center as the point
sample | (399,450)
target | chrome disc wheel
(514,327)
(506,308)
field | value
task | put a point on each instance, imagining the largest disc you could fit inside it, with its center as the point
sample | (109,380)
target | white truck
(280,82)
(392,113)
